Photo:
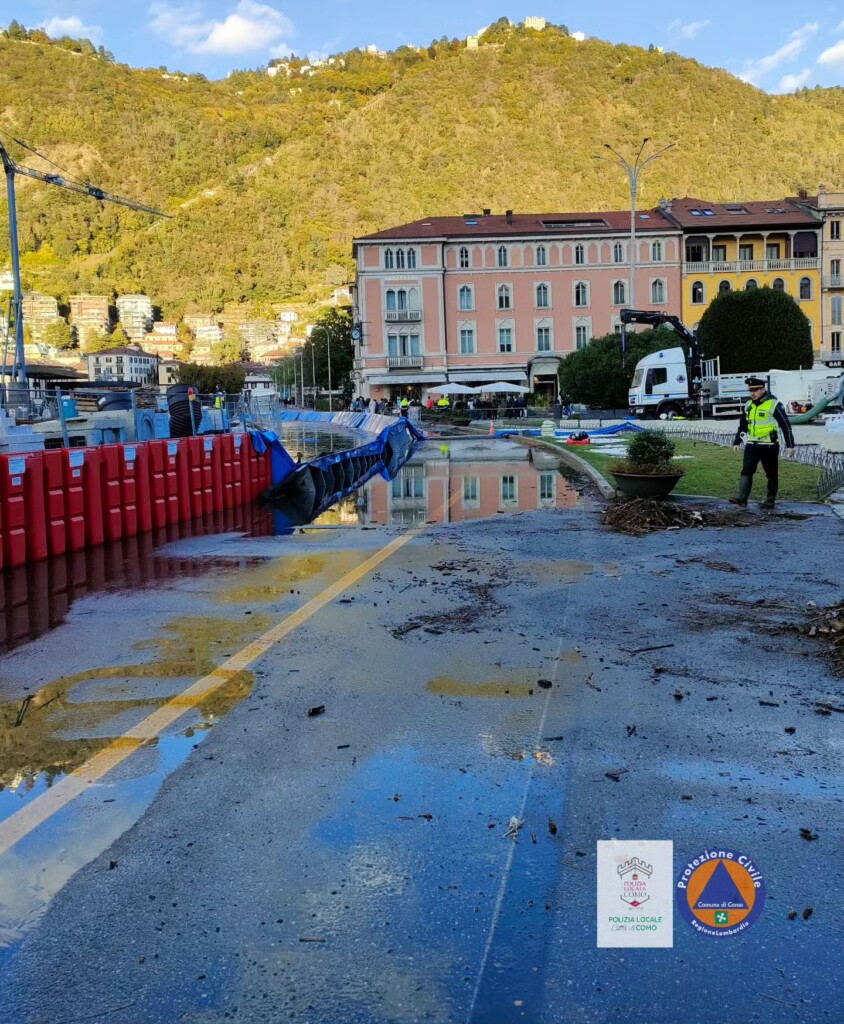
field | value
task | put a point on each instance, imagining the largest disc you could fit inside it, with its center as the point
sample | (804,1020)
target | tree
(338,323)
(598,376)
(206,379)
(229,350)
(105,341)
(59,335)
(756,331)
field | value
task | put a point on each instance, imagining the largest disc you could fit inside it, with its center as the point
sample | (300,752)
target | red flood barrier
(208,502)
(157,483)
(170,450)
(129,487)
(178,461)
(73,463)
(92,496)
(143,486)
(217,471)
(12,497)
(238,496)
(112,497)
(36,508)
(195,481)
(55,505)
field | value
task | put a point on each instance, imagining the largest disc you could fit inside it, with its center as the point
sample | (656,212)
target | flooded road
(316,744)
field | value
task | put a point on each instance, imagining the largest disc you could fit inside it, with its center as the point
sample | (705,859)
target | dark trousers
(768,455)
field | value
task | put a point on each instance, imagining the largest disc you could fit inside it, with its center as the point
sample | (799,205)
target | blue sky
(776,45)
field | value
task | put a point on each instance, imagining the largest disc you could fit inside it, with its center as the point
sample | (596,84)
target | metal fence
(831,464)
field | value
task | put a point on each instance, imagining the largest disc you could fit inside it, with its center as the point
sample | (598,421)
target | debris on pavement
(640,516)
(827,624)
(318,710)
(552,826)
(513,827)
(544,684)
(808,834)
(615,774)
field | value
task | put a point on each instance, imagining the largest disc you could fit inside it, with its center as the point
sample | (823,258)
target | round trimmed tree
(756,331)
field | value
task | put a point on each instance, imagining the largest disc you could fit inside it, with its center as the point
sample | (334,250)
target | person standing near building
(763,425)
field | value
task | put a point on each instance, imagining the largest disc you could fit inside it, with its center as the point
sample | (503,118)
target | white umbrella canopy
(452,389)
(500,388)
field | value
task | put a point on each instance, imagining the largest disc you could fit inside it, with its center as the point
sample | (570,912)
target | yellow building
(731,246)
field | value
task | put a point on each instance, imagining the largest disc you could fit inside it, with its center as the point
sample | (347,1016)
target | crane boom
(81,188)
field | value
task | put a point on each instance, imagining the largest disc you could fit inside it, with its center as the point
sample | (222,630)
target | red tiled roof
(702,215)
(547,224)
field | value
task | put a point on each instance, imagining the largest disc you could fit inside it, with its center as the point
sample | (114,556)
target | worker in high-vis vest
(762,426)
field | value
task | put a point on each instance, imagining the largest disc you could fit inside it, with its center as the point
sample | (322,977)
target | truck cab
(660,385)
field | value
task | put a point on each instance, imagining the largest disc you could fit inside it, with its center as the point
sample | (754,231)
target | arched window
(502,256)
(541,257)
(724,286)
(779,284)
(619,293)
(503,296)
(411,259)
(391,299)
(657,292)
(751,285)
(465,297)
(581,294)
(697,293)
(388,259)
(656,252)
(400,259)
(805,288)
(413,299)
(464,258)
(618,253)
(579,254)
(542,296)
(401,295)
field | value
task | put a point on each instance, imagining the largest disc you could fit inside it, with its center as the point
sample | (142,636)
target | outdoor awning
(545,365)
(406,378)
(517,374)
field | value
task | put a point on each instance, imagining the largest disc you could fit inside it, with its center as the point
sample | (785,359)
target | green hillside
(269,179)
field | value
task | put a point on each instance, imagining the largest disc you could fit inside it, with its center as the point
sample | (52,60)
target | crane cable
(71,177)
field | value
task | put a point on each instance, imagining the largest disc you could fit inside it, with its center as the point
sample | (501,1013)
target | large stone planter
(646,485)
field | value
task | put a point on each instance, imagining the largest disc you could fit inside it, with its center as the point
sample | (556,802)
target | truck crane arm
(85,190)
(656,319)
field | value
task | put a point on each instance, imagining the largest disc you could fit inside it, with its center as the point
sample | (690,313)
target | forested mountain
(269,178)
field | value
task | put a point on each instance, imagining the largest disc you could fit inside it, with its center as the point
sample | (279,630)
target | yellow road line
(20,824)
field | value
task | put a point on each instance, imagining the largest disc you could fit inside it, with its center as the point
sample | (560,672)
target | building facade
(135,312)
(129,363)
(38,312)
(89,317)
(738,246)
(483,298)
(829,207)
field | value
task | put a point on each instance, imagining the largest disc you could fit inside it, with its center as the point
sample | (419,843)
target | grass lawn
(714,471)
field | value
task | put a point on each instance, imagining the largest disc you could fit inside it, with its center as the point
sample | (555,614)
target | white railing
(405,362)
(833,281)
(752,266)
(827,355)
(393,316)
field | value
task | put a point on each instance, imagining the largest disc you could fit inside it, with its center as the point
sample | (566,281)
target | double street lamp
(633,170)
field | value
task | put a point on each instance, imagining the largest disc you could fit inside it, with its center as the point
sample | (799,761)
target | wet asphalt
(353,867)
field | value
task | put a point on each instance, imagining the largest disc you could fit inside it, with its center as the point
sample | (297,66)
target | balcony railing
(405,362)
(833,281)
(827,355)
(398,316)
(752,266)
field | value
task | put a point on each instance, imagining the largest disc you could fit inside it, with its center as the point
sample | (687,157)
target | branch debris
(640,516)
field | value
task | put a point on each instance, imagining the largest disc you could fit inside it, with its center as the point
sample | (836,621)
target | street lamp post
(633,171)
(321,327)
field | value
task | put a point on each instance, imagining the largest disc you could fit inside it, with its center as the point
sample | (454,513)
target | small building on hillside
(129,363)
(135,312)
(89,317)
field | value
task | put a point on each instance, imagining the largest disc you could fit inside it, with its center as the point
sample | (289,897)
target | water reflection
(455,482)
(37,597)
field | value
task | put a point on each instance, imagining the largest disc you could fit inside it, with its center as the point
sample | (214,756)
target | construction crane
(67,182)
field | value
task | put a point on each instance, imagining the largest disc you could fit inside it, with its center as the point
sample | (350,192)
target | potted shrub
(648,471)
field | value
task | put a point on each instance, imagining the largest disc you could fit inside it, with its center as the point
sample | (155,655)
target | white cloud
(688,30)
(833,56)
(73,27)
(758,69)
(579,36)
(788,83)
(251,27)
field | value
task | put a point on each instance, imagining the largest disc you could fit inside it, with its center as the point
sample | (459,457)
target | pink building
(483,298)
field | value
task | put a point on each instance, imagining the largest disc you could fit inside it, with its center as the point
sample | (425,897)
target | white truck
(668,383)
